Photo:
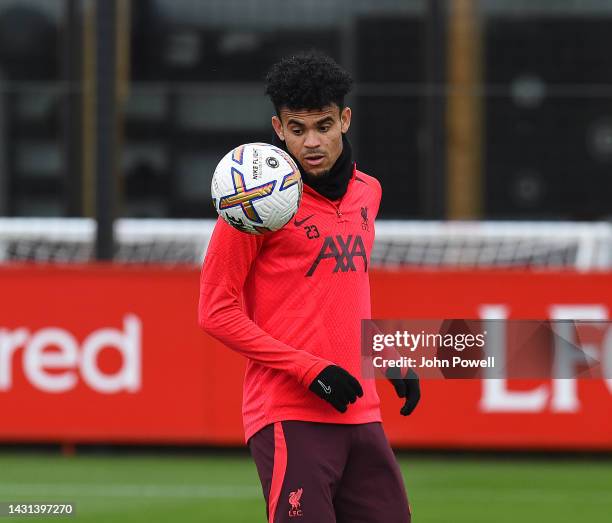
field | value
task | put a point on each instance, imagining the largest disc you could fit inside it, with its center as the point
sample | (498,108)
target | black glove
(336,386)
(407,387)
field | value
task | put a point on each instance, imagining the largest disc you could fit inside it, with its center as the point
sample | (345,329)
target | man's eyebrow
(292,121)
(327,119)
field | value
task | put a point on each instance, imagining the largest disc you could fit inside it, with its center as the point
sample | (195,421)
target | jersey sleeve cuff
(314,371)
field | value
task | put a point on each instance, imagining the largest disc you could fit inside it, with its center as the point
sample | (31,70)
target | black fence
(189,83)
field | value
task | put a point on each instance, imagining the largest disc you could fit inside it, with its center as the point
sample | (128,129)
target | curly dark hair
(308,80)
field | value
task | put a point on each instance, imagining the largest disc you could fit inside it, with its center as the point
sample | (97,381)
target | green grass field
(135,489)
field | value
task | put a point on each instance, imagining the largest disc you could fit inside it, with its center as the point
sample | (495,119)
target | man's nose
(312,140)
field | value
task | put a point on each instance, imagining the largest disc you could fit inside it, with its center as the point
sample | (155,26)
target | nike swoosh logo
(326,388)
(297,224)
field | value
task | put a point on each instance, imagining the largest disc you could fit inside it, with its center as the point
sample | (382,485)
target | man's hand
(407,387)
(336,386)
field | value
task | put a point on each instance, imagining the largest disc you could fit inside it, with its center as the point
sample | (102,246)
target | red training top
(292,302)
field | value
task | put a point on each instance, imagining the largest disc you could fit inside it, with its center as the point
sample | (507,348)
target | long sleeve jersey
(292,302)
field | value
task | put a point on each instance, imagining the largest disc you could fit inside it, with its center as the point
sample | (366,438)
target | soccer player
(292,303)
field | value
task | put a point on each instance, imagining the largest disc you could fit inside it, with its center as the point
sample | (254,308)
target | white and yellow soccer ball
(257,188)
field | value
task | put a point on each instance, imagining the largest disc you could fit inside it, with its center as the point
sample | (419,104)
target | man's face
(314,137)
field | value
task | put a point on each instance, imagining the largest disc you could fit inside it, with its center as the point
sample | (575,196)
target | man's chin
(319,173)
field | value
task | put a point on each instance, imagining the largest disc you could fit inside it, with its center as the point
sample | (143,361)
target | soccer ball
(257,188)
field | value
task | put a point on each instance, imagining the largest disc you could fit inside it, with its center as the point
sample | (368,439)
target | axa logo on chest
(343,251)
(52,358)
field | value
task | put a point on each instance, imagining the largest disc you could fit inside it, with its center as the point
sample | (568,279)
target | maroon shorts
(324,473)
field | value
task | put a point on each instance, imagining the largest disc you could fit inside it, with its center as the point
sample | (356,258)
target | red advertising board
(114,354)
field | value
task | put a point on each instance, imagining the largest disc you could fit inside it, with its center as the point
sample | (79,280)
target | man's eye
(296,131)
(324,128)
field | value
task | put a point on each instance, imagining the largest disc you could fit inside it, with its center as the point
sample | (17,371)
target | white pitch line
(129,491)
(525,495)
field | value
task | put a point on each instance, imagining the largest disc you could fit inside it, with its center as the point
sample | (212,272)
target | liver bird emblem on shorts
(294,498)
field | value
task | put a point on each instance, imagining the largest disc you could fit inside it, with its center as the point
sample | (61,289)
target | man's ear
(345,119)
(278,127)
